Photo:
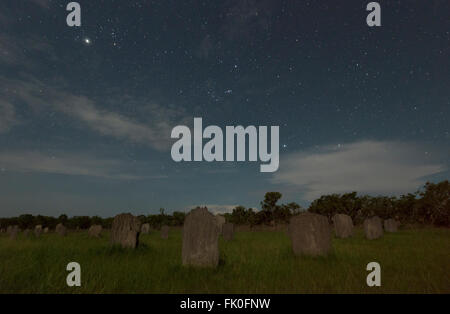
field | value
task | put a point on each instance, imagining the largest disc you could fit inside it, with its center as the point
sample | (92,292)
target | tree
(282,214)
(327,205)
(405,207)
(96,220)
(63,219)
(270,201)
(269,208)
(26,221)
(178,218)
(238,215)
(434,206)
(294,208)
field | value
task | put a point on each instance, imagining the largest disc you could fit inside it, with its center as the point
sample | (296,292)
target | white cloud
(79,164)
(374,167)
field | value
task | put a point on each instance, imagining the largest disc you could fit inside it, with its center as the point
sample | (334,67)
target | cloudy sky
(86,112)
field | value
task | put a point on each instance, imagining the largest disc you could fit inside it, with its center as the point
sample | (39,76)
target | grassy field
(412,261)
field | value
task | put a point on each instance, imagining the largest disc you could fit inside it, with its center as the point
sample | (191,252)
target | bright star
(87,41)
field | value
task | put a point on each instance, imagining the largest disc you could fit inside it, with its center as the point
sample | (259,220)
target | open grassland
(412,261)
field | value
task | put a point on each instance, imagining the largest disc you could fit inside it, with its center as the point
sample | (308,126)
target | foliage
(429,206)
(271,213)
(434,206)
(84,222)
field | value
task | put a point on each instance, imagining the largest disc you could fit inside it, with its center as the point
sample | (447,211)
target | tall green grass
(412,261)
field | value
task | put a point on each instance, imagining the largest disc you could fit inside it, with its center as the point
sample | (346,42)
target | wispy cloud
(246,18)
(24,52)
(105,122)
(376,167)
(74,164)
(7,116)
(5,18)
(152,129)
(45,4)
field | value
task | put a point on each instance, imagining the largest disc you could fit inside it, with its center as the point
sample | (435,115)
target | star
(87,41)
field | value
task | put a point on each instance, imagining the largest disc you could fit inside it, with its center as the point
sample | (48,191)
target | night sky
(86,112)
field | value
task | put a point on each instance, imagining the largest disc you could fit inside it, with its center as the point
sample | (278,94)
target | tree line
(28,221)
(430,205)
